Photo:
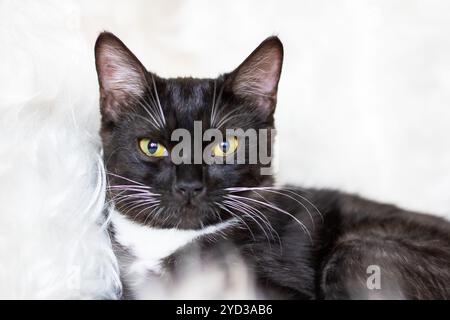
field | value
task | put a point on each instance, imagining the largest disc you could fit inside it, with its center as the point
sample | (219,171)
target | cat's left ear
(121,76)
(258,76)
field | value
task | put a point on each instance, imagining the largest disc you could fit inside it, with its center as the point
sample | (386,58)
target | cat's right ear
(256,79)
(121,76)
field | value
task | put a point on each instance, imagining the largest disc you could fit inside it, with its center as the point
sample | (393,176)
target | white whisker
(272,206)
(237,217)
(246,212)
(159,103)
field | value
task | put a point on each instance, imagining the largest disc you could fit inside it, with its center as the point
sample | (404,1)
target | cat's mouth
(190,204)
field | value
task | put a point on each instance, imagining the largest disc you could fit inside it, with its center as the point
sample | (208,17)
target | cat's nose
(189,189)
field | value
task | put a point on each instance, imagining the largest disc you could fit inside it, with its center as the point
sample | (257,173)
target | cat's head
(141,111)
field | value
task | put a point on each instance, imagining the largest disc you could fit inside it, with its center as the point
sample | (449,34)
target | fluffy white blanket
(363,106)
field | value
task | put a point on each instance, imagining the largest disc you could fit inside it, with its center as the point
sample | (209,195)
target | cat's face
(140,112)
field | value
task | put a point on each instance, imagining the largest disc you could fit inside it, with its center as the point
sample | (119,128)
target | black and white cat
(298,243)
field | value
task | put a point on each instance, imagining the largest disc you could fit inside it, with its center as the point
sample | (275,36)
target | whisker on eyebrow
(235,113)
(216,100)
(155,125)
(213,108)
(149,109)
(224,118)
(154,107)
(159,103)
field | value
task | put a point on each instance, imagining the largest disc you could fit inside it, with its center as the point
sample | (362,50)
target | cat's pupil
(224,146)
(152,147)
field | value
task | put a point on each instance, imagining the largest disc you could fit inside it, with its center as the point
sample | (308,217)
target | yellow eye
(151,148)
(225,148)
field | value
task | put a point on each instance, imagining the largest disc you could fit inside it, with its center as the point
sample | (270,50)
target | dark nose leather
(189,189)
(189,182)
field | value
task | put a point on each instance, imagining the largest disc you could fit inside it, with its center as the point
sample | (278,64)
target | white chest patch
(150,245)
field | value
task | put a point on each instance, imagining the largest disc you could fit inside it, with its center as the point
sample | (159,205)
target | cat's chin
(190,219)
(187,217)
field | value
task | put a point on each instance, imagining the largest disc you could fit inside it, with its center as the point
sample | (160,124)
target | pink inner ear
(119,73)
(259,74)
(122,77)
(269,79)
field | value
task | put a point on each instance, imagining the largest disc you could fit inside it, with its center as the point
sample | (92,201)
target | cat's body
(349,238)
(297,243)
